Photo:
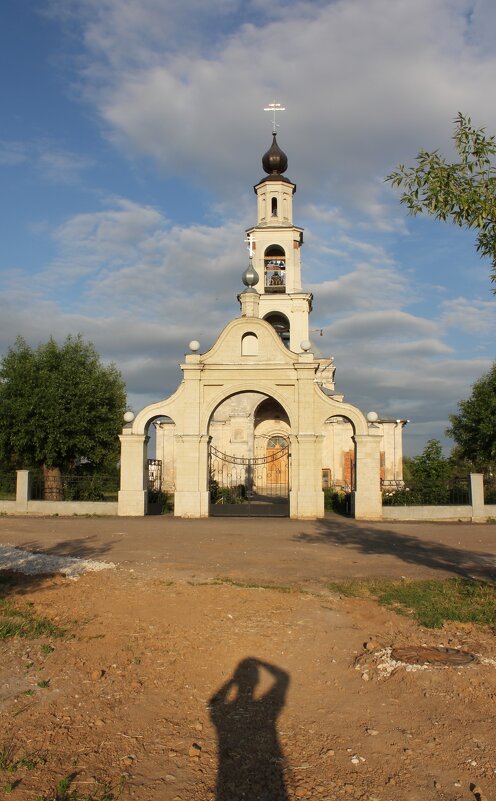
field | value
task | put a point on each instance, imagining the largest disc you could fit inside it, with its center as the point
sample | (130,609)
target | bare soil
(172,687)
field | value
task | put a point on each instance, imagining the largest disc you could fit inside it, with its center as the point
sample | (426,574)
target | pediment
(251,341)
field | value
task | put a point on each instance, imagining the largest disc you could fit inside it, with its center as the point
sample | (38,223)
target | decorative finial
(274,107)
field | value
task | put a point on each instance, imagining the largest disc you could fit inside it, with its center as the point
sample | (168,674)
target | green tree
(463,191)
(474,427)
(427,477)
(60,408)
(431,468)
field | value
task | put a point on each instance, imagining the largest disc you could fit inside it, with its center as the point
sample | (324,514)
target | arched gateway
(258,411)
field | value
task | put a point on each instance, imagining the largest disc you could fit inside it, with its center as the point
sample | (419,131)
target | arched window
(275,269)
(277,442)
(249,344)
(274,206)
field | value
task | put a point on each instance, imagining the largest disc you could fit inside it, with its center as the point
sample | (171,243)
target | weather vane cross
(274,107)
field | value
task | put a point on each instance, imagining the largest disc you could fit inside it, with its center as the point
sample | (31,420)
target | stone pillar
(133,494)
(367,497)
(23,489)
(477,498)
(191,498)
(307,496)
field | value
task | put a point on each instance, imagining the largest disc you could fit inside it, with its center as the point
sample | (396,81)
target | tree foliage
(430,478)
(431,467)
(463,191)
(474,427)
(60,406)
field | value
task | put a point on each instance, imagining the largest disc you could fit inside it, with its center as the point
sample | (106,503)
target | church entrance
(277,462)
(250,487)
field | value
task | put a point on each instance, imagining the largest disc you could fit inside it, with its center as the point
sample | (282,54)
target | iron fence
(75,488)
(455,493)
(490,488)
(8,486)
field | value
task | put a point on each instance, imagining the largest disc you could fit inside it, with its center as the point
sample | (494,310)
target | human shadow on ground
(375,541)
(251,761)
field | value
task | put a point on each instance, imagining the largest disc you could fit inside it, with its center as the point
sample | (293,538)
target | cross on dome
(250,241)
(274,108)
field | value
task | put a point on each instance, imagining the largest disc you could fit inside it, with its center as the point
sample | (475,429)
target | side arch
(169,407)
(339,453)
(326,407)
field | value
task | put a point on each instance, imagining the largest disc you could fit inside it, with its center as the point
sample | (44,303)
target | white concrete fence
(477,511)
(24,505)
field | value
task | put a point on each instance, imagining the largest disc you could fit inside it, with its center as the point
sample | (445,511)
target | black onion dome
(275,160)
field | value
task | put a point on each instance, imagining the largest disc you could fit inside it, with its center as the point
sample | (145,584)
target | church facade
(257,417)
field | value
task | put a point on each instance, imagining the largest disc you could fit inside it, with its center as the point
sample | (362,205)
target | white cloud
(386,323)
(365,287)
(12,153)
(53,163)
(471,316)
(61,166)
(181,83)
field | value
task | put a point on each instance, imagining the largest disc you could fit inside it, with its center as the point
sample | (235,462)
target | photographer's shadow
(251,762)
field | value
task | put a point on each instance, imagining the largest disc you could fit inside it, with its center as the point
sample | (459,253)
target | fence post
(23,489)
(477,497)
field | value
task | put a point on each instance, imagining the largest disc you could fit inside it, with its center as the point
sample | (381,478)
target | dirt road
(171,687)
(266,550)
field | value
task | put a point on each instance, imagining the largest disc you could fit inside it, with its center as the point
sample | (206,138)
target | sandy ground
(174,686)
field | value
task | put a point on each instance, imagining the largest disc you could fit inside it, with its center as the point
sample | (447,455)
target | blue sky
(130,141)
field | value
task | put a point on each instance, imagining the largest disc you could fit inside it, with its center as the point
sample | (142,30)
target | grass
(431,603)
(21,621)
(64,789)
(9,763)
(64,792)
(250,585)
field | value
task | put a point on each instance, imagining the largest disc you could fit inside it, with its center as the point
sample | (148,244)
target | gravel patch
(41,563)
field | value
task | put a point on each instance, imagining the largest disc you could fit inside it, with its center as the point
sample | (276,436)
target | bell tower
(275,244)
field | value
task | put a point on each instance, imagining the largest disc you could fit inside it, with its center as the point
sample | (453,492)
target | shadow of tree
(378,541)
(251,761)
(14,581)
(86,547)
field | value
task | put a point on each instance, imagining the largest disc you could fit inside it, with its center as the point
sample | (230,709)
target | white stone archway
(273,371)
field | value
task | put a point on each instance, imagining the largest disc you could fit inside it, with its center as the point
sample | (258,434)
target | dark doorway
(250,487)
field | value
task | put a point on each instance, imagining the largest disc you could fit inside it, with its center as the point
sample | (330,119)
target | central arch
(249,456)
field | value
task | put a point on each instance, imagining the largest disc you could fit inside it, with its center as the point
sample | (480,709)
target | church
(256,426)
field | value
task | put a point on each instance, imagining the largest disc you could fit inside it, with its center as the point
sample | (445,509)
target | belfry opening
(257,426)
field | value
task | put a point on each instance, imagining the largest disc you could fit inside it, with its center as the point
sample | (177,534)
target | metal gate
(250,487)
